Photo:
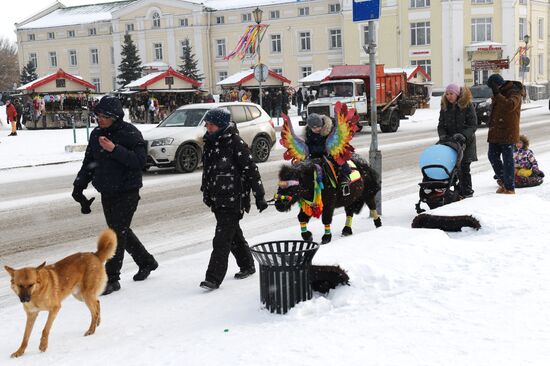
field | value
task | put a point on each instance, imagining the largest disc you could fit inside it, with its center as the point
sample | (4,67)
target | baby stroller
(440,166)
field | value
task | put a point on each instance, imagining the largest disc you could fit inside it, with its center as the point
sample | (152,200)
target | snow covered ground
(416,297)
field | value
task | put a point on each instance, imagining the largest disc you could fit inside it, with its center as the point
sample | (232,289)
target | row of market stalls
(59,100)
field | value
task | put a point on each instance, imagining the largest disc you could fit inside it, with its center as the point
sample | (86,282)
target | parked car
(481,99)
(177,140)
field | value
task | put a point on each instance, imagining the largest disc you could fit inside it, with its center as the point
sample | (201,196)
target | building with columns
(460,41)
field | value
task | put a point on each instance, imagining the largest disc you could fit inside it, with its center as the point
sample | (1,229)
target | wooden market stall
(243,86)
(56,100)
(155,95)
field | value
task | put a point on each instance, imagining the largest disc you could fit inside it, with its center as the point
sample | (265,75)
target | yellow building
(454,40)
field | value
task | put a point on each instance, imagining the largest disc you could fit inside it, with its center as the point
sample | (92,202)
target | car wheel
(187,159)
(392,124)
(261,148)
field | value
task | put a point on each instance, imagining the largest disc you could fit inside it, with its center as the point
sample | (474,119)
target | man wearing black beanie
(228,175)
(113,162)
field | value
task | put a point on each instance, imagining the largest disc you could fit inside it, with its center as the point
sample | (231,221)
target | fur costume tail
(106,245)
(445,223)
(324,278)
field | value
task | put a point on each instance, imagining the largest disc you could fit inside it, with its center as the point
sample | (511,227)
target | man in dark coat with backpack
(229,173)
(113,162)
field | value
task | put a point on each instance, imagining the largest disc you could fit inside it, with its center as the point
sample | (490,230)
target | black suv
(481,99)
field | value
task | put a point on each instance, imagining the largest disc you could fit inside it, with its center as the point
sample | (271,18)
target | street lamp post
(257,13)
(524,63)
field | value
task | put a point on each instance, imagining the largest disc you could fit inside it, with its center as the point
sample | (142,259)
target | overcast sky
(19,10)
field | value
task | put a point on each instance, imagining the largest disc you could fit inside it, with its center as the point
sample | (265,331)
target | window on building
(32,37)
(220,20)
(33,59)
(129,27)
(540,64)
(305,41)
(365,35)
(334,8)
(156,20)
(420,3)
(245,18)
(276,45)
(157,51)
(522,28)
(183,46)
(97,83)
(53,59)
(60,83)
(184,22)
(303,12)
(274,14)
(482,1)
(305,71)
(222,75)
(426,65)
(541,28)
(277,70)
(51,35)
(482,29)
(112,55)
(94,56)
(72,58)
(220,48)
(420,34)
(523,2)
(70,34)
(335,38)
(92,31)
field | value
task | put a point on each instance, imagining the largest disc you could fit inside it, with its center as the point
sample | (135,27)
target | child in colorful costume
(527,172)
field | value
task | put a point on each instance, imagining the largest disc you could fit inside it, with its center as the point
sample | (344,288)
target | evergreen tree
(130,65)
(28,73)
(189,66)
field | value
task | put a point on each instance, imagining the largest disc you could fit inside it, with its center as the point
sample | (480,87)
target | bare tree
(9,66)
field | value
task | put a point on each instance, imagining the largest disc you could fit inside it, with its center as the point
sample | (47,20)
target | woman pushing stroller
(458,122)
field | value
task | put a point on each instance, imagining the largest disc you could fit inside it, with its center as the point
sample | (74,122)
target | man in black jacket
(229,173)
(114,160)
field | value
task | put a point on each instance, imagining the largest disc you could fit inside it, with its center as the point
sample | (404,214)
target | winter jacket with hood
(459,118)
(316,141)
(505,114)
(229,173)
(117,171)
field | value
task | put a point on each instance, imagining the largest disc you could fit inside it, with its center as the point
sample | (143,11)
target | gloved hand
(85,203)
(460,138)
(261,203)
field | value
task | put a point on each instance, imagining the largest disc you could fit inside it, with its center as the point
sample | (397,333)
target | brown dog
(45,287)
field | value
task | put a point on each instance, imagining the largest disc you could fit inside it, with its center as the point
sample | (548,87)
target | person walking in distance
(11,116)
(504,129)
(229,173)
(113,162)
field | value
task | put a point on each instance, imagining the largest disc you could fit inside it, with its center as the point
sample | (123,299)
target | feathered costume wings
(337,143)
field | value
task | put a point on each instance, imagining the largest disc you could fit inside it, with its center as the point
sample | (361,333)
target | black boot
(112,286)
(244,273)
(144,272)
(209,285)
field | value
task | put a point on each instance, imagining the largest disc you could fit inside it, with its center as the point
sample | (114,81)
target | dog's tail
(106,245)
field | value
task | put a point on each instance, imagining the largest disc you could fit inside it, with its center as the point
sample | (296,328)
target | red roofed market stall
(56,100)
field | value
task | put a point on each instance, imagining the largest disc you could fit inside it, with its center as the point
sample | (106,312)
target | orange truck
(350,84)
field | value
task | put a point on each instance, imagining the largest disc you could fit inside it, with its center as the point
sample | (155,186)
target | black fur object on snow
(325,278)
(445,223)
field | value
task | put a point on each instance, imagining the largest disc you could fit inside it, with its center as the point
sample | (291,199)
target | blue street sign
(366,10)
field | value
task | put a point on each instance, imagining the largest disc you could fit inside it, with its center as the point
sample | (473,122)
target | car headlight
(304,115)
(162,142)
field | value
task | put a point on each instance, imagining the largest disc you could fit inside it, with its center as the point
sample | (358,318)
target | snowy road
(38,218)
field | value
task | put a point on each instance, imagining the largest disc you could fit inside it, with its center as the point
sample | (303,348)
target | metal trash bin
(284,272)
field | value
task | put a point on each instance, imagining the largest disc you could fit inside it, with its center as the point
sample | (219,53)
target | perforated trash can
(284,272)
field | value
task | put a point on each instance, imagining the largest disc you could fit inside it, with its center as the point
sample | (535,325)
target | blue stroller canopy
(443,156)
